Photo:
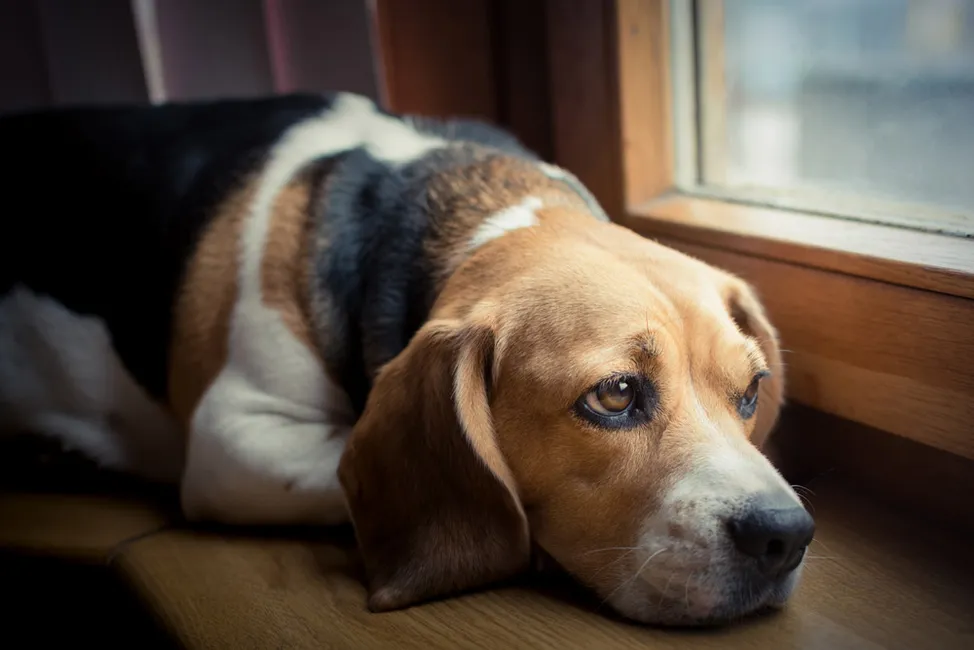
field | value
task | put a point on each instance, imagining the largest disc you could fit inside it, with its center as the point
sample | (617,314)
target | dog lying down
(305,310)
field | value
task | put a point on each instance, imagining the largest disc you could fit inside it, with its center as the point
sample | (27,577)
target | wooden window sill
(911,258)
(876,321)
(876,577)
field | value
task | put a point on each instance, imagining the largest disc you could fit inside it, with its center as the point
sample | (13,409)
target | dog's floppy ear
(432,501)
(748,312)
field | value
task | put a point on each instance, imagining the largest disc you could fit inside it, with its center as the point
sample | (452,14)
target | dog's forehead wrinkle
(719,357)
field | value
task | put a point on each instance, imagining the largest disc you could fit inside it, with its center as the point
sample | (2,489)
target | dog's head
(584,389)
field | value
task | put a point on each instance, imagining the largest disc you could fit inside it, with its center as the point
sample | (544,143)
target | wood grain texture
(585,97)
(890,357)
(435,57)
(874,580)
(611,100)
(76,527)
(644,98)
(941,263)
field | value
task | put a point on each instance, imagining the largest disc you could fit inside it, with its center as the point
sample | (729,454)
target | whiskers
(628,551)
(822,544)
(804,494)
(631,579)
(809,556)
(610,548)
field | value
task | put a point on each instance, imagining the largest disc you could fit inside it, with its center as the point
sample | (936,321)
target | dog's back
(104,207)
(209,273)
(108,207)
(105,204)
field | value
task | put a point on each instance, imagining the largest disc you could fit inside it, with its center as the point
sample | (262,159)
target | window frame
(613,103)
(704,174)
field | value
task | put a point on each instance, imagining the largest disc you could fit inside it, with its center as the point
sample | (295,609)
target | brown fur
(285,266)
(444,464)
(471,194)
(204,306)
(447,517)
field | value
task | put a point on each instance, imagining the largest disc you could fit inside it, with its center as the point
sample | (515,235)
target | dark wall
(56,52)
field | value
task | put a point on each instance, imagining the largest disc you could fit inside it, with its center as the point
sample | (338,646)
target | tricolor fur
(305,310)
(203,293)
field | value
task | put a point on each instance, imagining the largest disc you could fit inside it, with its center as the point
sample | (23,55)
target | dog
(307,310)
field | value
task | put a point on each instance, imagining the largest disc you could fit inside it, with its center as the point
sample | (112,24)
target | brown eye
(618,402)
(611,398)
(749,400)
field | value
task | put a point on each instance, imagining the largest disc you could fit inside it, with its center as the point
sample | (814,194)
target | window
(858,108)
(668,110)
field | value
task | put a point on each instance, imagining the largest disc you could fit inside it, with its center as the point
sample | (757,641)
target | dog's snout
(776,536)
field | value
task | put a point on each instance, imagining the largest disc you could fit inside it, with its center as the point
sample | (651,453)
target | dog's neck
(387,238)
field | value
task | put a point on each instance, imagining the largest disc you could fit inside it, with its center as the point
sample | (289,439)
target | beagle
(306,310)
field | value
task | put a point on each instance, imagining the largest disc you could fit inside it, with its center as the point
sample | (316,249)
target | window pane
(866,98)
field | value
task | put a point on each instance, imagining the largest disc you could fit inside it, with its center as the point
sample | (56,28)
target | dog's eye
(611,398)
(749,400)
(618,402)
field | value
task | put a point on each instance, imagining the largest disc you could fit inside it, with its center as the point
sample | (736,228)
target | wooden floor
(875,579)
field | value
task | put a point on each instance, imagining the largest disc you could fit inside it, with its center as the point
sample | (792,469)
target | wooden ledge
(875,321)
(874,579)
(911,258)
(78,527)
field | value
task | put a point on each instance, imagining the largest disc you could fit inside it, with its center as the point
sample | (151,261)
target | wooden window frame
(878,320)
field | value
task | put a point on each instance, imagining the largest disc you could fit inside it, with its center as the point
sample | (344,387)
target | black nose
(775,536)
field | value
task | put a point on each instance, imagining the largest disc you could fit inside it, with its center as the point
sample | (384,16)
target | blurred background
(480,58)
(65,51)
(873,98)
(801,103)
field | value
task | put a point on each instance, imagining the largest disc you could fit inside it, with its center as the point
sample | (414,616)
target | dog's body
(120,285)
(223,295)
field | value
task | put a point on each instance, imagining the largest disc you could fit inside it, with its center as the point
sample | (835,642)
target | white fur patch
(60,376)
(267,436)
(554,171)
(731,466)
(685,564)
(500,223)
(559,174)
